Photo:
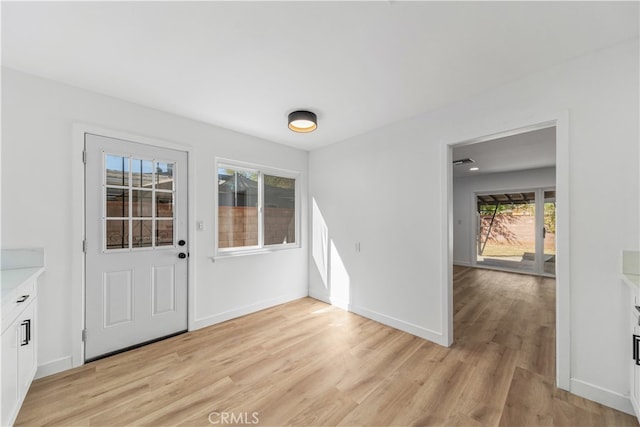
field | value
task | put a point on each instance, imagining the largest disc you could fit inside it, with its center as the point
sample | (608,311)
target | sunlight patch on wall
(331,268)
(340,282)
(320,243)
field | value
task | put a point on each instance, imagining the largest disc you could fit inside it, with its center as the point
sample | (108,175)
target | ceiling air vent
(463,162)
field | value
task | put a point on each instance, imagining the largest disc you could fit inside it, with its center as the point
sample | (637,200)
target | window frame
(261,171)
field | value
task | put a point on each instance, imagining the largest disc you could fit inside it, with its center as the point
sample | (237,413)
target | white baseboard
(53,367)
(345,305)
(462,263)
(248,309)
(601,395)
(402,325)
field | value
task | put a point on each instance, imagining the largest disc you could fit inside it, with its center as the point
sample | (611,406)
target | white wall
(385,189)
(37,118)
(464,208)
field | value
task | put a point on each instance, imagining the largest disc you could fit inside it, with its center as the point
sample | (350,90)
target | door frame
(77,236)
(486,131)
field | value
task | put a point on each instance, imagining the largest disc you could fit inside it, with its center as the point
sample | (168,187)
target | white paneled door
(136,244)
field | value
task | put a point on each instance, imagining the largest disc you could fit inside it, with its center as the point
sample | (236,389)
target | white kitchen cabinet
(9,375)
(634,386)
(27,352)
(19,359)
(631,277)
(19,333)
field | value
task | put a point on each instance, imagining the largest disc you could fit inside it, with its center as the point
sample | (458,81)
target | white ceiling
(358,65)
(529,150)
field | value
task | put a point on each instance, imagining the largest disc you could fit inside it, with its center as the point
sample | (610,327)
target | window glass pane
(237,208)
(117,202)
(164,205)
(164,176)
(117,234)
(141,233)
(142,173)
(164,233)
(279,210)
(506,232)
(549,232)
(117,170)
(141,203)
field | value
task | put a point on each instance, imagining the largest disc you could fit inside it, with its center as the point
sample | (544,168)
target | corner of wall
(53,367)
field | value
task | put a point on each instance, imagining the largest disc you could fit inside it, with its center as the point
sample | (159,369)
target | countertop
(17,267)
(11,280)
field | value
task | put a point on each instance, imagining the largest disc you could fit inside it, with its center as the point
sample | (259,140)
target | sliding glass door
(549,233)
(516,230)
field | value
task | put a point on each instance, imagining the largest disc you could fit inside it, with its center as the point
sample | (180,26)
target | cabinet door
(26,348)
(635,369)
(9,375)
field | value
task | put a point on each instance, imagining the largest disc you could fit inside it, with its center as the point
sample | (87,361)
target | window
(138,203)
(257,208)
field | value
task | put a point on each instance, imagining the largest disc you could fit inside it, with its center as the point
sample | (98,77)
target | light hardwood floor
(307,363)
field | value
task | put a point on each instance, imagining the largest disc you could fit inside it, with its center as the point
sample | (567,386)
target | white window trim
(221,253)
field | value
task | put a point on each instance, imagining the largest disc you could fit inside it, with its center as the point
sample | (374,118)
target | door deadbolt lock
(181,242)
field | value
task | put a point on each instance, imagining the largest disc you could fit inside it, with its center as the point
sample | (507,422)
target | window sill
(234,254)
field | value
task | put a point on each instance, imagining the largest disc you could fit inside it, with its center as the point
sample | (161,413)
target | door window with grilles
(139,200)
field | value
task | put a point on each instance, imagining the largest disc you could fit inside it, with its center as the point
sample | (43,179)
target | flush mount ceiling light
(303,121)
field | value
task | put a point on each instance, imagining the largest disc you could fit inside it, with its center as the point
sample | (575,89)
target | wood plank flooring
(306,363)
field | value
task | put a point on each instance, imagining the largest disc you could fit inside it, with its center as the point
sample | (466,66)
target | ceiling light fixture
(303,121)
(463,162)
(474,169)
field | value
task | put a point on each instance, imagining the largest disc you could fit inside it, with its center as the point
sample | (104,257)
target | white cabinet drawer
(16,302)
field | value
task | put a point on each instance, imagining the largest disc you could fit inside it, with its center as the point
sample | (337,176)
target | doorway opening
(531,157)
